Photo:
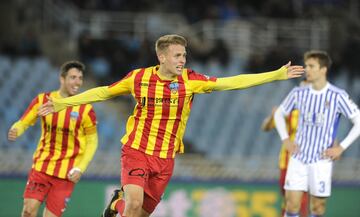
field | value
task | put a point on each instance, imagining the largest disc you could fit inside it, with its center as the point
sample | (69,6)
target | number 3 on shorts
(322,187)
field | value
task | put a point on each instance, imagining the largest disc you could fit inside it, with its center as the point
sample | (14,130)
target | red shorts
(56,191)
(150,172)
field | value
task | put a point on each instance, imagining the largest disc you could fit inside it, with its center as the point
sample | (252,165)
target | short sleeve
(289,103)
(347,106)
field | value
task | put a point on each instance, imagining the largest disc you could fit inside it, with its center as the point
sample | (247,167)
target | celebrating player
(67,144)
(154,133)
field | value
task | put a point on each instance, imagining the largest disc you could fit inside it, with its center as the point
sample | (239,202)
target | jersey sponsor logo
(158,101)
(143,84)
(174,87)
(314,119)
(59,129)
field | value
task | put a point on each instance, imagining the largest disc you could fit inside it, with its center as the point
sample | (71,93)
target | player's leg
(36,189)
(116,204)
(318,205)
(304,209)
(58,197)
(296,183)
(320,186)
(134,175)
(161,172)
(282,190)
(48,213)
(293,202)
(30,208)
(134,197)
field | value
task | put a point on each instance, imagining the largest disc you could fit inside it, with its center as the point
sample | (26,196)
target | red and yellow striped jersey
(162,109)
(63,135)
(291,124)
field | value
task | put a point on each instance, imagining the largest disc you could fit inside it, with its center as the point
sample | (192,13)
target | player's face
(174,59)
(313,70)
(72,82)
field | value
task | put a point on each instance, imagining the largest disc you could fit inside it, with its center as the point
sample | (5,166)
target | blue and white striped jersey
(319,113)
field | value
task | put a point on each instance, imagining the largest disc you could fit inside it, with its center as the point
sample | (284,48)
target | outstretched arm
(248,80)
(93,95)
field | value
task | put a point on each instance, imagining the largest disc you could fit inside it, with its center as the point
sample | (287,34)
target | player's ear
(61,79)
(324,70)
(161,57)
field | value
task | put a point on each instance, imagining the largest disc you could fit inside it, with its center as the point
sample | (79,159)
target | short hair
(69,65)
(166,40)
(322,56)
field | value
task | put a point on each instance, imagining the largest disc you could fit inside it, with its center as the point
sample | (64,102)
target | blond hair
(166,40)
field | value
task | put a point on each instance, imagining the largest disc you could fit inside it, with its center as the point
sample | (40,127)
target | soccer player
(154,133)
(291,125)
(67,144)
(320,105)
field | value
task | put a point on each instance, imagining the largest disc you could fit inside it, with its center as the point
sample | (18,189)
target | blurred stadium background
(230,164)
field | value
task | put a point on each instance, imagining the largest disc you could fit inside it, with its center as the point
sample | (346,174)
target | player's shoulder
(301,88)
(337,90)
(89,106)
(42,97)
(191,74)
(137,71)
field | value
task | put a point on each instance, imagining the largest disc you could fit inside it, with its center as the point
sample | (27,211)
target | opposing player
(320,105)
(67,144)
(154,133)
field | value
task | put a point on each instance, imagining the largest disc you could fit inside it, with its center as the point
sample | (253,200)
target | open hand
(294,71)
(46,108)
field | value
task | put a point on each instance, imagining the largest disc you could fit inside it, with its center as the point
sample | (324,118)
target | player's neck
(165,74)
(320,84)
(63,93)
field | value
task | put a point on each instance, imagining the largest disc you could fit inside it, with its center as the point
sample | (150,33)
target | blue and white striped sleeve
(347,107)
(289,103)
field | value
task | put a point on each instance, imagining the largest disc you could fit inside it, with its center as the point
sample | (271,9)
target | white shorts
(315,177)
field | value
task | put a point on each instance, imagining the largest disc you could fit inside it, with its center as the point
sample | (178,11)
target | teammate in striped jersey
(320,106)
(154,133)
(291,125)
(67,144)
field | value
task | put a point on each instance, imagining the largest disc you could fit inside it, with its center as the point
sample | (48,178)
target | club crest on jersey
(174,87)
(327,104)
(74,115)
